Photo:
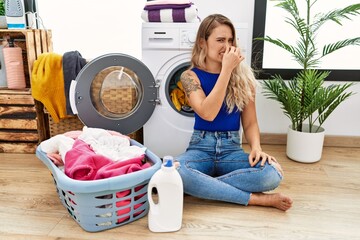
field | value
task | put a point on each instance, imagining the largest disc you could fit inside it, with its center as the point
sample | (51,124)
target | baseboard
(342,141)
(329,141)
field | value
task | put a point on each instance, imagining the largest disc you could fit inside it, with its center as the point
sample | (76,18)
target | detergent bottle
(165,214)
(14,66)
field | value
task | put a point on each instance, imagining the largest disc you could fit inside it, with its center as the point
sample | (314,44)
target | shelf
(22,119)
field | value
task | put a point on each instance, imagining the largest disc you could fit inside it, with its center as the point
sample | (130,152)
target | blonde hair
(242,84)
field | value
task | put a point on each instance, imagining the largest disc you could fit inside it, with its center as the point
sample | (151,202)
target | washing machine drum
(114,92)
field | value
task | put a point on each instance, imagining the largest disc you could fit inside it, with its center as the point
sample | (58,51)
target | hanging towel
(189,14)
(47,84)
(72,64)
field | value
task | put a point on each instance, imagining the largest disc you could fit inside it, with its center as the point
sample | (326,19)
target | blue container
(107,203)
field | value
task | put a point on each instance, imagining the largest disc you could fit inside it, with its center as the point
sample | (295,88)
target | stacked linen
(170,11)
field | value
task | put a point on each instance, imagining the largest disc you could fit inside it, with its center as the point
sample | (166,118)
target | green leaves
(340,44)
(281,44)
(305,51)
(2,8)
(334,95)
(336,15)
(305,97)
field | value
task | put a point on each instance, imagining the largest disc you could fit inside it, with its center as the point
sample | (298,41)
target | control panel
(187,38)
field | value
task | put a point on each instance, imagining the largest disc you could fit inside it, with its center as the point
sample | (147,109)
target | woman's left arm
(252,135)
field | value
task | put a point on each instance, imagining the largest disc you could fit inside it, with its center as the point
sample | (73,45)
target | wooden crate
(33,42)
(18,124)
(22,119)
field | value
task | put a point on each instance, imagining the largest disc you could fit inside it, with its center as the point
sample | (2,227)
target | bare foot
(276,200)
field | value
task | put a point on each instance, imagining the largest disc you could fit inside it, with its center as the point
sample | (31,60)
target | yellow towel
(47,84)
(177,98)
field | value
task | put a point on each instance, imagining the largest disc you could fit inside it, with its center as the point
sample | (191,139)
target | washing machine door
(114,92)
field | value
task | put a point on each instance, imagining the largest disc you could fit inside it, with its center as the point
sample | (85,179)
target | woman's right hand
(232,57)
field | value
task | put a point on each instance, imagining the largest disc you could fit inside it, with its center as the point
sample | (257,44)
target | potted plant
(305,100)
(3,22)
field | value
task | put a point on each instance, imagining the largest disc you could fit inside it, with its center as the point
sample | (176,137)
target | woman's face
(218,40)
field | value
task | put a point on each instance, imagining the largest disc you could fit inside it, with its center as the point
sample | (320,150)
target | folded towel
(167,6)
(157,2)
(189,14)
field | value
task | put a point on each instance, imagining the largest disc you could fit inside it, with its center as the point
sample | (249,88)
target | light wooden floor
(326,205)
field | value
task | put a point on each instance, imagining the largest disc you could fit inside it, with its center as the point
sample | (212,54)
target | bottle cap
(168,161)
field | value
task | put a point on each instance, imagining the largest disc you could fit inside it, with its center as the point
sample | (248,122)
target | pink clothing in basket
(82,163)
(124,211)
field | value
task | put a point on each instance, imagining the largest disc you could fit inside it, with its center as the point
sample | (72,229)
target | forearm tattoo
(189,84)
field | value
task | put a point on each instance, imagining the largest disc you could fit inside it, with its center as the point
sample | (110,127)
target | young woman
(220,88)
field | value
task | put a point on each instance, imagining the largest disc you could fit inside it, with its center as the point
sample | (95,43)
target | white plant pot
(305,147)
(3,22)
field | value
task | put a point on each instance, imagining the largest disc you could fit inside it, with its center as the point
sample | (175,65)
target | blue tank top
(224,121)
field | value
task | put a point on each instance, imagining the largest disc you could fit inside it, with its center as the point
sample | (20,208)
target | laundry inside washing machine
(176,92)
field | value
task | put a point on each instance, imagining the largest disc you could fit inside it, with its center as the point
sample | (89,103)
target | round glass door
(115,92)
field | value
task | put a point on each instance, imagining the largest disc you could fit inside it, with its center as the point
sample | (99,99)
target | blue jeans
(215,167)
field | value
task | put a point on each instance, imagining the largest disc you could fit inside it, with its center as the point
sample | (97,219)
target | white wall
(115,26)
(94,27)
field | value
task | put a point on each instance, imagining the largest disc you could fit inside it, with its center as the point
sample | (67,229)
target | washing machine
(119,92)
(166,50)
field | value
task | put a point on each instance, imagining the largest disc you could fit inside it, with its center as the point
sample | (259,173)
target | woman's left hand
(257,155)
